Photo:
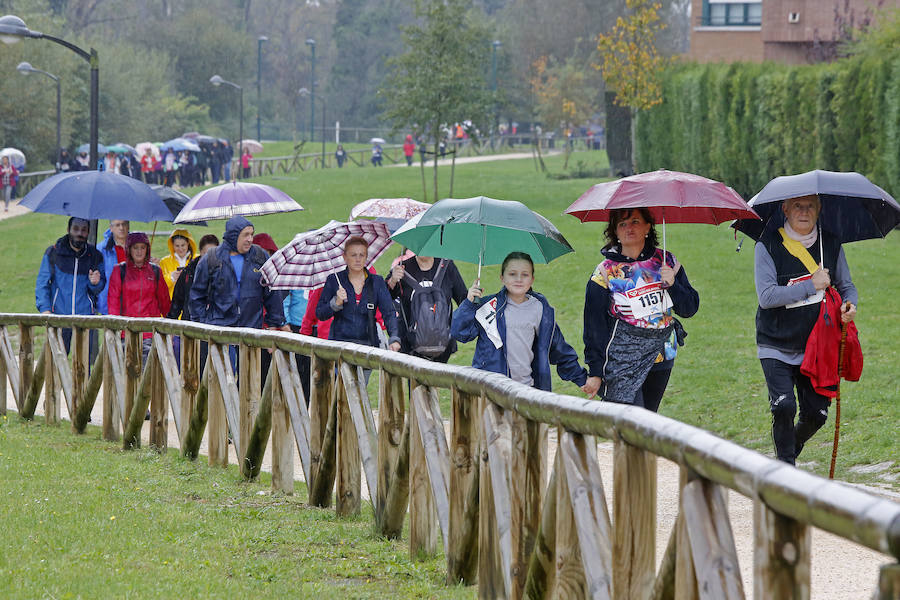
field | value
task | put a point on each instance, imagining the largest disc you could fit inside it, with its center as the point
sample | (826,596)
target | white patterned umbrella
(308,260)
(389,208)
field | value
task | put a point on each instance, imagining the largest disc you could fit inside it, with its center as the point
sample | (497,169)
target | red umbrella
(670,196)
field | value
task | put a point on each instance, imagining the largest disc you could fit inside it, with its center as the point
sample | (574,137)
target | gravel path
(840,569)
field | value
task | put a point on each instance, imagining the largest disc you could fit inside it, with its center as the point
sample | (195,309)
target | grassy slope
(717,384)
(82,519)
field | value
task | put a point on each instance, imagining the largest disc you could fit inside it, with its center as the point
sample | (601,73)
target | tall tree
(630,60)
(441,78)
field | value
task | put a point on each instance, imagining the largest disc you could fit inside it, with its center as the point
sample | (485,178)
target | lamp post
(25,68)
(312,88)
(217,81)
(305,92)
(259,43)
(494,46)
(12,30)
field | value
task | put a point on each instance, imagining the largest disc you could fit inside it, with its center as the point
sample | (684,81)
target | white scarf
(807,240)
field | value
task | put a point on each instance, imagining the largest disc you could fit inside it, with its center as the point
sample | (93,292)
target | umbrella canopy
(141,149)
(482,230)
(86,148)
(120,148)
(853,208)
(205,139)
(179,145)
(97,195)
(175,201)
(252,145)
(236,198)
(376,140)
(670,196)
(191,135)
(16,157)
(308,260)
(389,208)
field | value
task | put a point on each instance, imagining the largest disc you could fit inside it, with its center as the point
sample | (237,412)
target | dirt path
(840,569)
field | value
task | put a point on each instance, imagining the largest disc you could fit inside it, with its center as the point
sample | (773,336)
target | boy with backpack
(423,287)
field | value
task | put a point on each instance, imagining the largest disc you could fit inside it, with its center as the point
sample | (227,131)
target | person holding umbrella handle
(790,287)
(630,334)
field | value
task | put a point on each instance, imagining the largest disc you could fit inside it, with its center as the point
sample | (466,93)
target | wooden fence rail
(508,516)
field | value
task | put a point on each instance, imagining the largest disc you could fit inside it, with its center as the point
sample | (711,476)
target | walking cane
(837,410)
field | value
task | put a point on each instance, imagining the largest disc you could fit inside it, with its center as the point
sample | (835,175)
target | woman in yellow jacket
(182,248)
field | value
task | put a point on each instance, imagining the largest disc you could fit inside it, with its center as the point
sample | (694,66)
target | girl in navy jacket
(516,330)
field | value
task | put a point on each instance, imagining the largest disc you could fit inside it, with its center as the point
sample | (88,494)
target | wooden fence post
(37,383)
(114,386)
(131,438)
(191,445)
(133,368)
(541,578)
(159,414)
(634,515)
(51,384)
(781,555)
(258,437)
(190,380)
(281,421)
(26,364)
(91,388)
(321,392)
(3,376)
(423,524)
(217,426)
(249,367)
(889,582)
(493,528)
(348,485)
(526,482)
(391,411)
(462,555)
(80,359)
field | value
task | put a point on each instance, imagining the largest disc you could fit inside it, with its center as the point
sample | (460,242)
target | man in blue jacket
(71,278)
(227,289)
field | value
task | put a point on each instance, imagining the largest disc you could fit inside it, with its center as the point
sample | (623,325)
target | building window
(724,13)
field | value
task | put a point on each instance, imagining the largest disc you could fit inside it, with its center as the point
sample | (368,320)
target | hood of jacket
(233,228)
(186,235)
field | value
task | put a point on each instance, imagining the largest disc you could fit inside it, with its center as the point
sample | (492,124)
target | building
(786,31)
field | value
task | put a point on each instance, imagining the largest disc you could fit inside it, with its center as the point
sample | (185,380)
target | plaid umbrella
(308,260)
(236,198)
(389,208)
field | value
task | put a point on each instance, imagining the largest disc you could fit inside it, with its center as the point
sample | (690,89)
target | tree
(564,93)
(441,77)
(630,61)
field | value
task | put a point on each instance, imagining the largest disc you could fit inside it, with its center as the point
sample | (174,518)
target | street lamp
(494,45)
(312,88)
(217,81)
(259,43)
(305,92)
(25,68)
(12,30)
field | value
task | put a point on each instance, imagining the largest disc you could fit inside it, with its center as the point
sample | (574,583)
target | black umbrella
(853,208)
(174,201)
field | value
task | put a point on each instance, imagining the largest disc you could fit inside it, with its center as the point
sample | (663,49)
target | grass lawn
(83,519)
(717,383)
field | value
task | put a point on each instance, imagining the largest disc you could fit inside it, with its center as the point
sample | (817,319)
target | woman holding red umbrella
(630,334)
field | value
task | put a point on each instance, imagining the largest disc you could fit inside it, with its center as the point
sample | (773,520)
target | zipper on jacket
(608,344)
(74,281)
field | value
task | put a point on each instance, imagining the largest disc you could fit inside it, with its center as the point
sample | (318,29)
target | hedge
(746,123)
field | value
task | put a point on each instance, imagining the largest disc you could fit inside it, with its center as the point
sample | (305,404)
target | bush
(747,123)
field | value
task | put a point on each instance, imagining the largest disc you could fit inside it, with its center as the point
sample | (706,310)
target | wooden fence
(484,496)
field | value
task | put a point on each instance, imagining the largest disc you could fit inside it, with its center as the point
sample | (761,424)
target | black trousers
(651,393)
(782,379)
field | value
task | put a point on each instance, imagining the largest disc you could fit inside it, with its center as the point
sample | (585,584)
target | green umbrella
(482,230)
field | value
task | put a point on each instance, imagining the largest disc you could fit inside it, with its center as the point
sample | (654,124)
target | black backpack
(428,321)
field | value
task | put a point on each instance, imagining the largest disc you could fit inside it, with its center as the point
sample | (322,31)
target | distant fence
(27,181)
(393,154)
(484,493)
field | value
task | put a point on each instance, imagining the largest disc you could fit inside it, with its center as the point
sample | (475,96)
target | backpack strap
(439,274)
(51,260)
(122,268)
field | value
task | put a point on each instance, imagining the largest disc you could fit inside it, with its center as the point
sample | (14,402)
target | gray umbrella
(853,208)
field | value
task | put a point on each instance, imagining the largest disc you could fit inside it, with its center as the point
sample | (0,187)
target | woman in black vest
(793,266)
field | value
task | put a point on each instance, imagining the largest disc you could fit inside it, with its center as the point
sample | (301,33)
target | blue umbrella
(179,145)
(86,148)
(853,208)
(97,195)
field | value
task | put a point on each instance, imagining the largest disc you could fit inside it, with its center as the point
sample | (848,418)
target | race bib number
(649,300)
(815,298)
(486,315)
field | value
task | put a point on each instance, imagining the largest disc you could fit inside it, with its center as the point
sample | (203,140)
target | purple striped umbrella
(236,198)
(308,260)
